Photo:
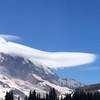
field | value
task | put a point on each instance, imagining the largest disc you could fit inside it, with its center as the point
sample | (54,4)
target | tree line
(52,95)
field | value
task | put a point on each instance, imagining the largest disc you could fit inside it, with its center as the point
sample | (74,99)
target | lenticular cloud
(50,59)
(68,59)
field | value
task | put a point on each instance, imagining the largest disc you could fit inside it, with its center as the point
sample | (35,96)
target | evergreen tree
(30,96)
(47,97)
(26,98)
(34,95)
(19,98)
(77,95)
(9,96)
(38,96)
(52,94)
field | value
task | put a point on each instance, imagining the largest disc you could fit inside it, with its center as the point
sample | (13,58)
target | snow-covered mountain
(90,88)
(23,69)
(22,75)
(70,83)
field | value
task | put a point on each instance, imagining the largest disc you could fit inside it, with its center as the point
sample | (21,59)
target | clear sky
(57,25)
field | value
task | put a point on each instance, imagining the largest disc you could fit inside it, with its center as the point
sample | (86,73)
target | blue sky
(57,25)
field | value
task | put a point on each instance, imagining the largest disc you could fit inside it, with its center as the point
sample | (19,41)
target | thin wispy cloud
(50,59)
(9,37)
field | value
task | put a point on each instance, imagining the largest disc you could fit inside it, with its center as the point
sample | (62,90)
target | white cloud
(9,37)
(51,59)
(68,59)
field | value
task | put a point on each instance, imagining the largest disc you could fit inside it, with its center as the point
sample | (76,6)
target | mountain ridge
(22,75)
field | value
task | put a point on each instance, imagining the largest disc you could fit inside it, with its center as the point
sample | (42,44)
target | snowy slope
(70,83)
(22,75)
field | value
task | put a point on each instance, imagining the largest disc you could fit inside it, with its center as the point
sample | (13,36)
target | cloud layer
(50,59)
